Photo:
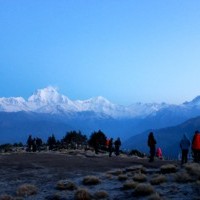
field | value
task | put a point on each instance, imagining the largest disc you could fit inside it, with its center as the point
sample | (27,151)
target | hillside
(167,138)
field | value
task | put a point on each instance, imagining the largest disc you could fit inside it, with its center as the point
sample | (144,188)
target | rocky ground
(84,175)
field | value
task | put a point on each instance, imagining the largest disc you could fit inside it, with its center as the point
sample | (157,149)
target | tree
(97,140)
(51,142)
(74,138)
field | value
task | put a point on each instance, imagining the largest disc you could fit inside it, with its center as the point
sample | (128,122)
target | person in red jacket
(196,146)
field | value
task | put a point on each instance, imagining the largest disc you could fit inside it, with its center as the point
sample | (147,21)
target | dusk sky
(124,50)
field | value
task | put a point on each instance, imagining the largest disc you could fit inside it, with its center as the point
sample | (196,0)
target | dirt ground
(45,169)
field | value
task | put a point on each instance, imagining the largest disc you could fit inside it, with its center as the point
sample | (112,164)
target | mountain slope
(167,138)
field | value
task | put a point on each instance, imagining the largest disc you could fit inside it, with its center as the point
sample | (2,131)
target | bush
(143,189)
(182,177)
(66,185)
(6,197)
(129,185)
(101,194)
(82,194)
(122,177)
(168,168)
(158,179)
(26,190)
(91,180)
(140,177)
(193,169)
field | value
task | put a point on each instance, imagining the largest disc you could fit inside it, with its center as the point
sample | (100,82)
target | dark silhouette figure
(196,146)
(185,145)
(30,143)
(110,147)
(117,144)
(152,145)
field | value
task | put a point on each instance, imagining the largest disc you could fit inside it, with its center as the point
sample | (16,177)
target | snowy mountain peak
(47,95)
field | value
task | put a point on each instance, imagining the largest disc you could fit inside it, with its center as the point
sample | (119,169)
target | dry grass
(122,177)
(101,194)
(66,185)
(129,185)
(140,177)
(116,172)
(82,194)
(136,168)
(143,189)
(193,169)
(158,179)
(91,180)
(6,197)
(182,177)
(154,196)
(26,190)
(168,168)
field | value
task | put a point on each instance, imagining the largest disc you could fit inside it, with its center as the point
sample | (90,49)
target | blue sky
(127,51)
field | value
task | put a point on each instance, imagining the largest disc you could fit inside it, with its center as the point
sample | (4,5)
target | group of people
(184,145)
(115,148)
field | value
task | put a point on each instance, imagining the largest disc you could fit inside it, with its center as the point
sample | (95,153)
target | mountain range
(47,111)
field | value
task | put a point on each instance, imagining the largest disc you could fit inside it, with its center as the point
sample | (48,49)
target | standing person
(184,144)
(159,153)
(117,144)
(152,145)
(196,146)
(110,147)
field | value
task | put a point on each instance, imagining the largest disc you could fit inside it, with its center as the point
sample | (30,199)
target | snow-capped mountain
(48,100)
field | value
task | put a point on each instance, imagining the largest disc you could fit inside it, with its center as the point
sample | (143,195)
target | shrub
(144,189)
(6,197)
(182,177)
(193,169)
(136,168)
(82,194)
(26,190)
(101,194)
(129,185)
(116,172)
(168,168)
(158,179)
(91,180)
(122,177)
(140,177)
(65,185)
(154,196)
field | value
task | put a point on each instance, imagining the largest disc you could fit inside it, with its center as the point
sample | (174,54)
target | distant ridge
(47,111)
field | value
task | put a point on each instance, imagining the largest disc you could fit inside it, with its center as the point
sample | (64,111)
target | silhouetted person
(185,145)
(34,145)
(117,144)
(110,147)
(159,153)
(30,143)
(152,145)
(196,146)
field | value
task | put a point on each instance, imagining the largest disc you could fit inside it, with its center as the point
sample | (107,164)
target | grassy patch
(26,190)
(129,185)
(168,168)
(143,189)
(101,194)
(91,180)
(82,194)
(65,185)
(140,177)
(158,179)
